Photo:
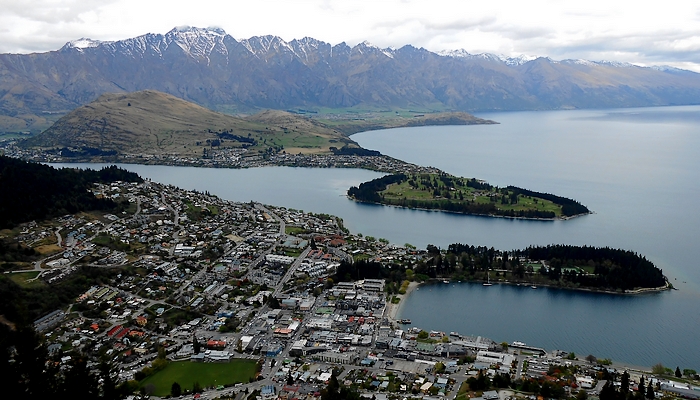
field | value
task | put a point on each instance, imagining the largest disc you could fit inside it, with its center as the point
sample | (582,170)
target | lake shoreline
(537,285)
(562,218)
(394,309)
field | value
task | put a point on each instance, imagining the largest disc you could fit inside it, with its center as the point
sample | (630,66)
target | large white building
(490,357)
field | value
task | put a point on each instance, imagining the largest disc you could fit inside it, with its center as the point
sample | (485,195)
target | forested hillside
(33,191)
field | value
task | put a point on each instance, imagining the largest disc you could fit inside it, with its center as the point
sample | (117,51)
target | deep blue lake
(637,169)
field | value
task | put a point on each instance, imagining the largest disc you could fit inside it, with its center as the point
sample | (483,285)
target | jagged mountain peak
(198,42)
(311,50)
(510,61)
(367,47)
(579,61)
(461,53)
(618,64)
(518,60)
(309,41)
(263,45)
(213,30)
(82,43)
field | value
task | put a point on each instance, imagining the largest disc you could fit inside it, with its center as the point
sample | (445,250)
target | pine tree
(608,392)
(650,392)
(625,384)
(195,345)
(640,389)
(175,390)
(109,386)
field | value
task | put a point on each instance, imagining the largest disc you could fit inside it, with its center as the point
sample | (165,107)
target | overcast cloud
(665,33)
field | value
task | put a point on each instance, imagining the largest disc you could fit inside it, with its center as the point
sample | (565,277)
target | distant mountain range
(212,69)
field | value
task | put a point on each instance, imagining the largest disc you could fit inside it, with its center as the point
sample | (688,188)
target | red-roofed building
(290,388)
(337,243)
(122,333)
(282,332)
(115,330)
(216,344)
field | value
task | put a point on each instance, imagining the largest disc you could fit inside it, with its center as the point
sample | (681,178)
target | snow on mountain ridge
(618,64)
(519,60)
(260,46)
(461,53)
(140,45)
(389,52)
(304,48)
(511,61)
(84,43)
(200,43)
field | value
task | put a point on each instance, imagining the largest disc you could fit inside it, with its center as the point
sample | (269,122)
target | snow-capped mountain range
(199,43)
(211,68)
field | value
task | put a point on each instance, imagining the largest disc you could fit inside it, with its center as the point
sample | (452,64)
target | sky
(640,32)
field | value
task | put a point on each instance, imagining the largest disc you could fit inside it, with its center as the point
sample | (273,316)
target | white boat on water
(518,344)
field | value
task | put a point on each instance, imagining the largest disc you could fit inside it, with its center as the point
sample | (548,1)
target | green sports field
(186,373)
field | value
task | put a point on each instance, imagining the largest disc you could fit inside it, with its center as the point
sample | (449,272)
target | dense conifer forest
(32,191)
(580,267)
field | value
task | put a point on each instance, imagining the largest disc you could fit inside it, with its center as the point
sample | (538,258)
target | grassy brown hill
(377,121)
(154,123)
(301,134)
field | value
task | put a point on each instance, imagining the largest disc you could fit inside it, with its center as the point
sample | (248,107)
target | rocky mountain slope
(212,69)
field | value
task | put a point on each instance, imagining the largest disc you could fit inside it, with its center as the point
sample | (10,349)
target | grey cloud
(35,44)
(522,32)
(44,38)
(650,47)
(653,46)
(433,26)
(47,11)
(460,25)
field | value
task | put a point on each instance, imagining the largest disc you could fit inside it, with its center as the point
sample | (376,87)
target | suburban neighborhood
(188,279)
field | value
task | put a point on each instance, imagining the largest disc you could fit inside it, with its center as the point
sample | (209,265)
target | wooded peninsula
(444,192)
(600,269)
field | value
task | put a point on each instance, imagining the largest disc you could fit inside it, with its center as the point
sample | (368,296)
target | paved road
(283,226)
(292,268)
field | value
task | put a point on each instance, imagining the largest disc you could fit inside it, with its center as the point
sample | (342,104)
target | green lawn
(361,257)
(21,278)
(294,230)
(463,393)
(292,252)
(404,189)
(186,373)
(298,140)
